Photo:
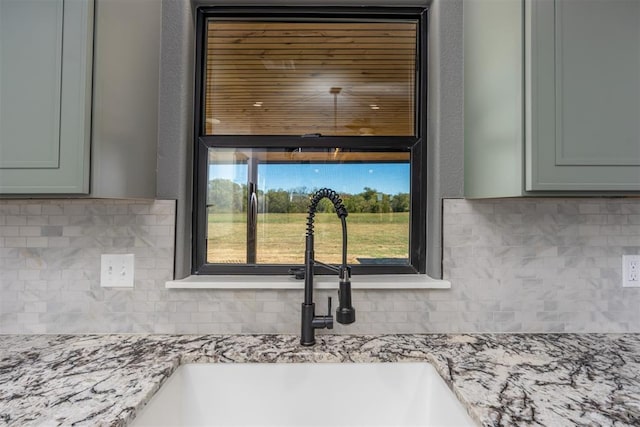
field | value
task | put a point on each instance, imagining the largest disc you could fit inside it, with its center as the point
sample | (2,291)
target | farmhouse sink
(304,394)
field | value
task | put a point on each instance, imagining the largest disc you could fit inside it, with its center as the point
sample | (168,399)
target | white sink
(304,394)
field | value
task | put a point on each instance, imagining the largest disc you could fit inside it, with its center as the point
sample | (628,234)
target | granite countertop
(508,379)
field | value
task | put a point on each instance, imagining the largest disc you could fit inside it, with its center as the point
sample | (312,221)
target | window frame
(416,144)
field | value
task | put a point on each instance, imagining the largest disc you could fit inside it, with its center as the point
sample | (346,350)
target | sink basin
(304,394)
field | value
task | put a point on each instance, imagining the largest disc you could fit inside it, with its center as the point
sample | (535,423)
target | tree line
(226,196)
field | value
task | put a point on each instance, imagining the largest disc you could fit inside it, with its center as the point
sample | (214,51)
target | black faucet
(345,313)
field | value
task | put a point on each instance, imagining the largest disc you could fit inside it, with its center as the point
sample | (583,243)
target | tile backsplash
(50,264)
(516,265)
(541,265)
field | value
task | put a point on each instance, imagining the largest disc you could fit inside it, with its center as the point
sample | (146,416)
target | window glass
(258,201)
(227,212)
(335,78)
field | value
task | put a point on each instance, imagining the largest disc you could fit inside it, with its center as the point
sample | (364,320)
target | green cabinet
(552,97)
(45,95)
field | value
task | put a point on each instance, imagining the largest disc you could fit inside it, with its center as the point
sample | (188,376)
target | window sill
(391,281)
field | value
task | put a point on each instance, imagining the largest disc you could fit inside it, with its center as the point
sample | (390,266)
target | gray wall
(125,98)
(445,133)
(445,116)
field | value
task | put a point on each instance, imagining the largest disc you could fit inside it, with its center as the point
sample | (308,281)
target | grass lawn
(281,237)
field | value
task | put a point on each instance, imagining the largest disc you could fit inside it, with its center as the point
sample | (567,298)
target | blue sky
(388,178)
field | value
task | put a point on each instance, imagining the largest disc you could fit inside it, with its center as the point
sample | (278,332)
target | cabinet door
(583,91)
(45,88)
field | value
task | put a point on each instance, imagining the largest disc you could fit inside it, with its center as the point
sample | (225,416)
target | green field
(281,237)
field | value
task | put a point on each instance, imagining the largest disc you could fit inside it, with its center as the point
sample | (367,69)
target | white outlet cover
(116,270)
(631,271)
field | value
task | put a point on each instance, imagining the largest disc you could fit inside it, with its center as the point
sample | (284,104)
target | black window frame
(416,144)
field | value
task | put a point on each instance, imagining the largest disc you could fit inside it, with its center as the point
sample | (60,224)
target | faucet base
(311,322)
(307,334)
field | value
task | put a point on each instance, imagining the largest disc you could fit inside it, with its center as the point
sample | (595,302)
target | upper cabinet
(552,97)
(79,76)
(583,112)
(45,95)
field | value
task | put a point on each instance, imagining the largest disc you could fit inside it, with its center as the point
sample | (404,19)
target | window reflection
(338,78)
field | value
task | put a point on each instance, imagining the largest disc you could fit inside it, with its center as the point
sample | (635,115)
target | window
(291,100)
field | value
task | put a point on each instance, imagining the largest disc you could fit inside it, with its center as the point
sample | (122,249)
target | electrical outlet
(116,270)
(631,271)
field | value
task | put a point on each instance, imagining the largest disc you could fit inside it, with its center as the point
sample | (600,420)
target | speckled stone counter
(551,380)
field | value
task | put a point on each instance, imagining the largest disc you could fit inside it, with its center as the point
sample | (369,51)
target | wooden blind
(332,78)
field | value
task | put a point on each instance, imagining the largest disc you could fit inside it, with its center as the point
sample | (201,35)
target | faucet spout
(345,313)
